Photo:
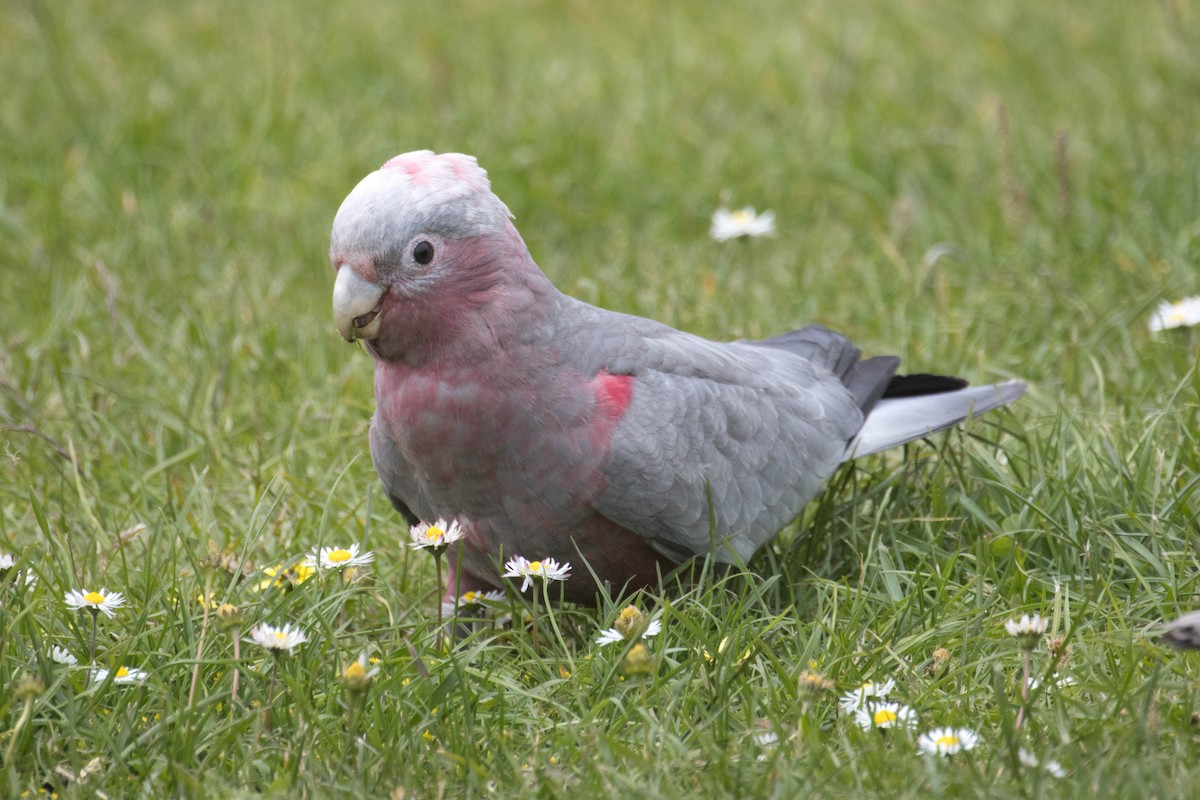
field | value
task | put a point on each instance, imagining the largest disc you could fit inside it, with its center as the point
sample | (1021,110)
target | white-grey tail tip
(1182,633)
(897,420)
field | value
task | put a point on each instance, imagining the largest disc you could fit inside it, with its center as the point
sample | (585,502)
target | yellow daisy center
(122,672)
(741,216)
(338,556)
(947,741)
(280,636)
(435,534)
(355,670)
(535,567)
(95,598)
(470,597)
(884,716)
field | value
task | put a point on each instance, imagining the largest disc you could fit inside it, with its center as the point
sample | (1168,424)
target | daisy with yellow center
(337,557)
(101,601)
(1178,314)
(474,601)
(545,570)
(122,675)
(881,716)
(276,639)
(854,700)
(437,535)
(631,625)
(744,222)
(947,741)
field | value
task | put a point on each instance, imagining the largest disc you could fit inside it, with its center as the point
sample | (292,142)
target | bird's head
(414,245)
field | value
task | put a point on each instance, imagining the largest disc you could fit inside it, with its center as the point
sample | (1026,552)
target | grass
(989,191)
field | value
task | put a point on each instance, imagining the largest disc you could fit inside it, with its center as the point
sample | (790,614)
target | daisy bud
(229,616)
(357,677)
(629,622)
(28,687)
(638,661)
(811,682)
(939,660)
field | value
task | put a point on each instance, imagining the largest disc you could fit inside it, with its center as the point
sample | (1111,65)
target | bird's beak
(356,304)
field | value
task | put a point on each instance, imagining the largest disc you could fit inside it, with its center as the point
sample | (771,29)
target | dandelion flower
(103,600)
(631,625)
(277,639)
(851,702)
(1178,314)
(1033,762)
(885,715)
(289,577)
(728,224)
(546,570)
(61,655)
(947,741)
(122,675)
(337,557)
(436,536)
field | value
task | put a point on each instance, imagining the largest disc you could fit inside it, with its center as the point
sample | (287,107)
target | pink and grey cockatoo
(551,428)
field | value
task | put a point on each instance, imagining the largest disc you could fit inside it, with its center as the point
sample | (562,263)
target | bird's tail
(898,419)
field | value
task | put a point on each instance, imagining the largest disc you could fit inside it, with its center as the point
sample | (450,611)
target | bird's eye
(422,252)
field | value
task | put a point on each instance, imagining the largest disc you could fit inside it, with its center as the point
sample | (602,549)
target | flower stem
(15,733)
(1024,688)
(535,619)
(92,648)
(271,692)
(200,644)
(437,560)
(237,656)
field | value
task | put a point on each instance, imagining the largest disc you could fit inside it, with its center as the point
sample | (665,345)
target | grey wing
(389,465)
(721,444)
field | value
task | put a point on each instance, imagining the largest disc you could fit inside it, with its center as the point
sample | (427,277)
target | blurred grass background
(987,190)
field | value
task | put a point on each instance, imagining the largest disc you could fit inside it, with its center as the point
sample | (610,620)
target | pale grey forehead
(388,208)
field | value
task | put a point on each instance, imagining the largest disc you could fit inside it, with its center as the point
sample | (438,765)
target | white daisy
(885,715)
(103,600)
(277,639)
(1026,625)
(7,561)
(631,624)
(1178,314)
(436,535)
(123,675)
(547,570)
(1055,682)
(851,702)
(337,557)
(473,601)
(947,741)
(61,655)
(1027,629)
(1033,762)
(728,224)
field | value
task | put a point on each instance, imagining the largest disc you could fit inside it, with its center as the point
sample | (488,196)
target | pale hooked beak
(356,304)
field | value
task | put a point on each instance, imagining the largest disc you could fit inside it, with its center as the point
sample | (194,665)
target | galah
(548,427)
